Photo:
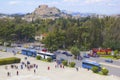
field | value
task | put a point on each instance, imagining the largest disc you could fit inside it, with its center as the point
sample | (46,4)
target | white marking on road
(111,65)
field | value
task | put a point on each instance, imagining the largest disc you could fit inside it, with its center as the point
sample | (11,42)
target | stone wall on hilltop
(45,12)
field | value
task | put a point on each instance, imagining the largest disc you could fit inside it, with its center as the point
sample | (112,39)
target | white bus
(46,55)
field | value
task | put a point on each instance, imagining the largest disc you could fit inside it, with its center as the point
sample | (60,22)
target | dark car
(67,54)
(86,56)
(57,52)
(109,60)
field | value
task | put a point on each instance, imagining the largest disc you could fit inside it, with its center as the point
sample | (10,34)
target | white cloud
(111,4)
(70,0)
(93,1)
(14,2)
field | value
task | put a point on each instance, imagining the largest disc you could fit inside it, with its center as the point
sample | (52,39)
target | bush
(64,63)
(38,57)
(1,43)
(11,60)
(49,59)
(98,53)
(95,69)
(109,53)
(17,60)
(105,71)
(72,64)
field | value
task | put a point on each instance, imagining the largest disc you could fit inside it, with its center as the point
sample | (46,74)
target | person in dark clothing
(17,73)
(8,73)
(34,71)
(48,68)
(76,68)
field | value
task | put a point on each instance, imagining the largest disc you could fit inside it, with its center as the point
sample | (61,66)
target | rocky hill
(45,12)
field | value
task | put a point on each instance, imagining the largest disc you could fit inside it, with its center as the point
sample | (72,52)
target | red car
(44,50)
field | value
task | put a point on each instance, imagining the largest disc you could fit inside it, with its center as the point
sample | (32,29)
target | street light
(85,43)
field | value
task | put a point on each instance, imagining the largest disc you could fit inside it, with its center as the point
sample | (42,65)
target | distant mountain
(45,12)
(17,15)
(78,13)
(2,14)
(11,16)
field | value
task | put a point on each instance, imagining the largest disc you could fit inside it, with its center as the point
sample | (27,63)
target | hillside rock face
(45,12)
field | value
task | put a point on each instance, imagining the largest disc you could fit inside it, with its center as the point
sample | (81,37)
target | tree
(105,71)
(95,69)
(54,40)
(116,52)
(75,51)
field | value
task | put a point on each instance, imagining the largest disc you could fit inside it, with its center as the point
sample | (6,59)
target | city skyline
(107,7)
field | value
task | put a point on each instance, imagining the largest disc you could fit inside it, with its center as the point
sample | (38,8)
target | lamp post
(85,43)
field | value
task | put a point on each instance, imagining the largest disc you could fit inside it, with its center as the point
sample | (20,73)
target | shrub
(10,60)
(95,69)
(109,53)
(17,60)
(72,64)
(2,62)
(98,53)
(1,43)
(38,57)
(65,62)
(49,59)
(105,71)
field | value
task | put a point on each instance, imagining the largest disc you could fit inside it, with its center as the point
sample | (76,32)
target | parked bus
(46,55)
(89,64)
(29,52)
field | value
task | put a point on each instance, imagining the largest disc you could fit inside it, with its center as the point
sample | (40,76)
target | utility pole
(85,43)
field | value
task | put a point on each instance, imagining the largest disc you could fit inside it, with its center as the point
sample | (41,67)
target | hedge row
(71,64)
(10,60)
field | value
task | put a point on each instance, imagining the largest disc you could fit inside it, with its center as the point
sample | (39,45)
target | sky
(108,7)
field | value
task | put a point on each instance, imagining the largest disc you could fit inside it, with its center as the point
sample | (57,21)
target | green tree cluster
(85,33)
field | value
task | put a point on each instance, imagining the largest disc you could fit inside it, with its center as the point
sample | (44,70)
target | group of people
(28,65)
(23,65)
(12,67)
(59,66)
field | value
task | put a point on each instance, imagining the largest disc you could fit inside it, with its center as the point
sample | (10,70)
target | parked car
(44,50)
(67,54)
(109,60)
(86,56)
(57,52)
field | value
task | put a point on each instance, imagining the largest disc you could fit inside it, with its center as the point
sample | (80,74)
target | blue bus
(89,64)
(29,52)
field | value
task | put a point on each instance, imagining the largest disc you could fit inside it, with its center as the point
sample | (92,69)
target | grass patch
(110,57)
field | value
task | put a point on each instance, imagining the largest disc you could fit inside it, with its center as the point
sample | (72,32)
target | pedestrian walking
(8,73)
(17,73)
(25,58)
(36,66)
(21,66)
(60,65)
(34,71)
(48,68)
(63,66)
(76,68)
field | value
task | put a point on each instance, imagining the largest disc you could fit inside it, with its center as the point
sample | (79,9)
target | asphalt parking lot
(112,70)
